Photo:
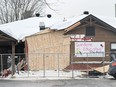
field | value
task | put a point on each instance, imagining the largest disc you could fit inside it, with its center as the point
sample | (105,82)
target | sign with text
(80,37)
(89,49)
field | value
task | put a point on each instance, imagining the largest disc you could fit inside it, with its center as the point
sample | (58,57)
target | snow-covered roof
(109,20)
(68,22)
(22,28)
(27,27)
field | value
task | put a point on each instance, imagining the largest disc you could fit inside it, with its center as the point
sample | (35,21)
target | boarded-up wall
(47,49)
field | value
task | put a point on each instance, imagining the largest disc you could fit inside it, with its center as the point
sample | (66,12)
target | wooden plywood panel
(51,43)
(35,61)
(102,69)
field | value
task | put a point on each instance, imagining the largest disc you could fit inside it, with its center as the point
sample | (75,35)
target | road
(60,83)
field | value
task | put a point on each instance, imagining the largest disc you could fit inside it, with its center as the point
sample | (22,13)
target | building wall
(101,35)
(44,49)
(49,48)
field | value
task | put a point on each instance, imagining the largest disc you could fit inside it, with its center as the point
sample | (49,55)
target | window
(90,31)
(113,46)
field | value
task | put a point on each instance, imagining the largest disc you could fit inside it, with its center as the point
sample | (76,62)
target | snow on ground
(51,75)
(48,74)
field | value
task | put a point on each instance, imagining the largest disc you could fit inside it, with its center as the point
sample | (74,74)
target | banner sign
(81,37)
(89,49)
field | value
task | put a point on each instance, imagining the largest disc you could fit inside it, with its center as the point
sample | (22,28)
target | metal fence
(56,64)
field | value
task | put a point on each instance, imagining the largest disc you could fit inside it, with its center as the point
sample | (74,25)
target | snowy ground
(49,74)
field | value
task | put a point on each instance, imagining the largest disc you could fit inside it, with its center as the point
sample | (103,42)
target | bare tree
(13,10)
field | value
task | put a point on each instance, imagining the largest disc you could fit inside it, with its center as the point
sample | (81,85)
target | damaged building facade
(89,39)
(86,38)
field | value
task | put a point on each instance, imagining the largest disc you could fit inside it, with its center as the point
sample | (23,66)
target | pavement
(59,83)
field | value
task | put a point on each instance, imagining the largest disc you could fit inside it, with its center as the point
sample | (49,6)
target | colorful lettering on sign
(93,49)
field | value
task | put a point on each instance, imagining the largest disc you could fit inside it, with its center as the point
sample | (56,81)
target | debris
(102,69)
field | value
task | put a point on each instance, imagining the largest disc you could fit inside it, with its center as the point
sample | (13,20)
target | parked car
(112,69)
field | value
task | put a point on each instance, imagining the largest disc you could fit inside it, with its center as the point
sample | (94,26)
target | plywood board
(51,44)
(102,69)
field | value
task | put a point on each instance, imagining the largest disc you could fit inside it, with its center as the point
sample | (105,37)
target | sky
(69,8)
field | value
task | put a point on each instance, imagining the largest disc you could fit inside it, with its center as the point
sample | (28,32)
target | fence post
(58,64)
(87,65)
(27,61)
(103,61)
(1,63)
(43,64)
(72,66)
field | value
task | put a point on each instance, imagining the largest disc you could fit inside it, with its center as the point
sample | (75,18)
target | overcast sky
(69,8)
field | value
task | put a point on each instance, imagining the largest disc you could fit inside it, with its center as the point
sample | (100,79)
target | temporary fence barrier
(57,64)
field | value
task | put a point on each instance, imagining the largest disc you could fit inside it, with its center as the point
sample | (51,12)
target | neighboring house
(86,38)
